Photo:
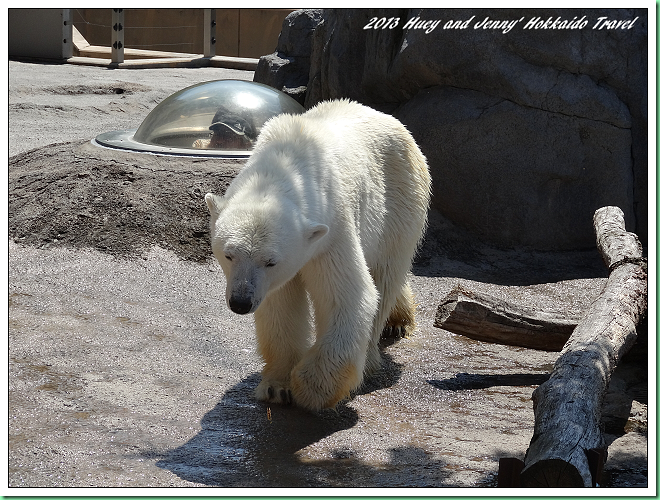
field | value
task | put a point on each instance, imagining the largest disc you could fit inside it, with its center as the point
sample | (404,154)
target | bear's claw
(285,396)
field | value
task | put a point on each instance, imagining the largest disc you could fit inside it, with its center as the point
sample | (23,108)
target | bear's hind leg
(396,311)
(283,324)
(401,321)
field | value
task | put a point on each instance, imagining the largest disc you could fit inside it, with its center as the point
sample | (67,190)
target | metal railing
(118,30)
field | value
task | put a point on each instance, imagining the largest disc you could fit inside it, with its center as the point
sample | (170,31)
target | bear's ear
(316,231)
(215,203)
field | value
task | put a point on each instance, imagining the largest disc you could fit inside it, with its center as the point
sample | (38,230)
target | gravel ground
(127,369)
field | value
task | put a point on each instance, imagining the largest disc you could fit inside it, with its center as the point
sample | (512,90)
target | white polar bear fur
(331,205)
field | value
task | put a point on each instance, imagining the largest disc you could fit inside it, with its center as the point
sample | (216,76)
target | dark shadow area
(244,443)
(466,381)
(635,475)
(41,61)
(628,383)
(621,416)
(449,251)
(388,375)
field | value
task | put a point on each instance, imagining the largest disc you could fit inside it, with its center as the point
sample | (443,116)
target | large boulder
(527,131)
(287,69)
(495,176)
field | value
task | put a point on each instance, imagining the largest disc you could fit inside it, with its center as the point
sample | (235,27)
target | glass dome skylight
(218,118)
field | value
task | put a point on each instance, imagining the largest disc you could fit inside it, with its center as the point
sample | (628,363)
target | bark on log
(567,408)
(489,319)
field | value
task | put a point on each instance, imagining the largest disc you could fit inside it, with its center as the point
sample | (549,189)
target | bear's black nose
(240,306)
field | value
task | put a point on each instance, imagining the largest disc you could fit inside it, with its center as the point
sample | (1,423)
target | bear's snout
(240,305)
(244,287)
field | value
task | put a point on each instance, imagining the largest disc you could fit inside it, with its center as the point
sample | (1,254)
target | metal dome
(218,118)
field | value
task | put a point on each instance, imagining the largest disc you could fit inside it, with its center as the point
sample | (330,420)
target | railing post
(209,32)
(117,45)
(67,34)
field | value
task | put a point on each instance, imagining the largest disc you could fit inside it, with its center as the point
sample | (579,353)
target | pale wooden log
(567,408)
(482,317)
(615,244)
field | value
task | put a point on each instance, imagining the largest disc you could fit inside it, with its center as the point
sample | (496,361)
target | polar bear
(326,215)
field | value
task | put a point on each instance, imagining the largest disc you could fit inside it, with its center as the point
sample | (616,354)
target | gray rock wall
(527,132)
(287,69)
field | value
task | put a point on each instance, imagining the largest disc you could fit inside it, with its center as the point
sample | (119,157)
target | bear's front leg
(283,328)
(345,302)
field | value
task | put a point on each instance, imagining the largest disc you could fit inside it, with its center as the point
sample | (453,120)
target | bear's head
(260,244)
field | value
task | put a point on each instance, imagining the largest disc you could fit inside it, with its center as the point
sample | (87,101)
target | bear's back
(334,123)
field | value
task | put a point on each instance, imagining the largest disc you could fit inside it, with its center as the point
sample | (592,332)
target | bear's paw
(273,392)
(315,389)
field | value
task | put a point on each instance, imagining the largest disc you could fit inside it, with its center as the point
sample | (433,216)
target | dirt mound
(80,195)
(98,89)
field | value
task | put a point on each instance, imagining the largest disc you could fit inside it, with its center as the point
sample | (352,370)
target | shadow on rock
(466,381)
(453,252)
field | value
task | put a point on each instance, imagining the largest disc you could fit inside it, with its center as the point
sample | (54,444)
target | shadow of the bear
(246,443)
(388,375)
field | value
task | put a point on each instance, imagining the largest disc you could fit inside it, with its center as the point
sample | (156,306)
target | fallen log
(567,408)
(482,317)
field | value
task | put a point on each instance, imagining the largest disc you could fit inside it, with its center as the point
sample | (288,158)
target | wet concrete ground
(134,373)
(130,371)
